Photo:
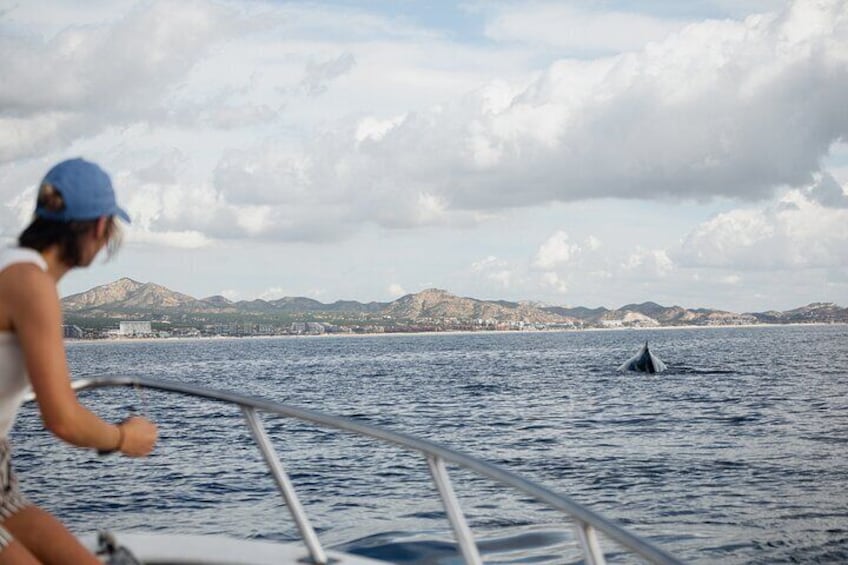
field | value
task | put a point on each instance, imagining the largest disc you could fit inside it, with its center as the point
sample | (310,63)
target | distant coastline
(127,308)
(146,339)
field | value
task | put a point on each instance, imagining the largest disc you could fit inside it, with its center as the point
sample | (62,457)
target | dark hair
(43,233)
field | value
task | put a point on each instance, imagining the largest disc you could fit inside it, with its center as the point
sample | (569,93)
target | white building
(72,332)
(135,329)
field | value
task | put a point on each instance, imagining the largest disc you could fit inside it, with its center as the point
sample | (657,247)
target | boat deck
(186,549)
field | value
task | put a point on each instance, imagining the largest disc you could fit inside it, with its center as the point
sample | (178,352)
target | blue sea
(737,454)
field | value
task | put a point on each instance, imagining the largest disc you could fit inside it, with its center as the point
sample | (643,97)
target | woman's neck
(56,267)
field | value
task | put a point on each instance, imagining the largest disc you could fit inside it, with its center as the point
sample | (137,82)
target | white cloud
(287,123)
(273,293)
(430,208)
(648,263)
(697,115)
(553,280)
(179,239)
(231,294)
(23,137)
(316,293)
(504,277)
(555,251)
(395,290)
(254,220)
(795,233)
(717,108)
(375,129)
(20,208)
(499,271)
(487,263)
(168,208)
(87,78)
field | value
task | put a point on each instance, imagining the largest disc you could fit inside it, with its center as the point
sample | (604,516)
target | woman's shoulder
(24,276)
(25,288)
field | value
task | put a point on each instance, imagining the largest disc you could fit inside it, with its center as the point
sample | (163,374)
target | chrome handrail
(586,521)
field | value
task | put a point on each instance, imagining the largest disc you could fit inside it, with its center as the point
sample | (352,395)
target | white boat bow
(152,548)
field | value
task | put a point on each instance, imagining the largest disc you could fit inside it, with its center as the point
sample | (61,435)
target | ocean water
(737,454)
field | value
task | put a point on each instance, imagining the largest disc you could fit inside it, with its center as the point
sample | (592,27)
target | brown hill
(127,294)
(126,297)
(436,304)
(101,295)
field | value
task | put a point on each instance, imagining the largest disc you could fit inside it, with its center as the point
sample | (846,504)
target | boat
(644,362)
(156,548)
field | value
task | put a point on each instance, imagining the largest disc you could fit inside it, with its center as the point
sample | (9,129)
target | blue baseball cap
(86,190)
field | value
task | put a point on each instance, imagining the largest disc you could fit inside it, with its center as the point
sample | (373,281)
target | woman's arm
(35,312)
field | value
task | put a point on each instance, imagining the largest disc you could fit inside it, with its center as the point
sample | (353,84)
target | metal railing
(586,521)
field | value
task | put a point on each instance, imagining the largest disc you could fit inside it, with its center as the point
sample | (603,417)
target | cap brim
(121,213)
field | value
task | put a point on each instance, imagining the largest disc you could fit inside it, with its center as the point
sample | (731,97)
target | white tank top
(14,381)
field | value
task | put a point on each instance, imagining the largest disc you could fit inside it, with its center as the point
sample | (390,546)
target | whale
(644,362)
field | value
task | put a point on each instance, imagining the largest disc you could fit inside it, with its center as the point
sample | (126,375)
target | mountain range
(129,299)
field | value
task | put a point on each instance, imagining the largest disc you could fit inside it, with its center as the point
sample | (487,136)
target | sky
(592,153)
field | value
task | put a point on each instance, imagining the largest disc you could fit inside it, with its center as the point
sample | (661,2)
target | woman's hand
(139,436)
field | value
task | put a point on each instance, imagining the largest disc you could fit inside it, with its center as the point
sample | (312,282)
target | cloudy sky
(572,153)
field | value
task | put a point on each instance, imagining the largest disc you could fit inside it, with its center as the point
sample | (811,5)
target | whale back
(644,362)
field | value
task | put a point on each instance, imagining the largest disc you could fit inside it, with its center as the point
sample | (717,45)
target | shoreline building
(71,331)
(135,329)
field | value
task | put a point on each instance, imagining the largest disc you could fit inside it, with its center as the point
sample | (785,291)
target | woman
(74,219)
